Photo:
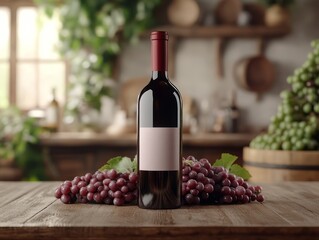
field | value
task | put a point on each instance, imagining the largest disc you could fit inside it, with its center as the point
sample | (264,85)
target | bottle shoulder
(160,87)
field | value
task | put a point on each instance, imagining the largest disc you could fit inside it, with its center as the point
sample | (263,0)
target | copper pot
(255,74)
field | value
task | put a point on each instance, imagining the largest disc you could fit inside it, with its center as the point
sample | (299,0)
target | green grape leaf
(120,164)
(240,171)
(135,164)
(225,161)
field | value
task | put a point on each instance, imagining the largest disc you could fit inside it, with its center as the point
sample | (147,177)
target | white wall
(195,63)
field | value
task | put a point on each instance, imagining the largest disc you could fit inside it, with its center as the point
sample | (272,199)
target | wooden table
(29,211)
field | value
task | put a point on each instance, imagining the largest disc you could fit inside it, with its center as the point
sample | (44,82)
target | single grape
(186,170)
(67,183)
(83,191)
(87,177)
(196,167)
(120,182)
(240,181)
(189,198)
(260,198)
(133,178)
(208,188)
(100,176)
(74,189)
(100,188)
(91,188)
(110,193)
(192,174)
(234,183)
(113,186)
(124,189)
(97,197)
(82,184)
(221,176)
(253,197)
(93,180)
(245,199)
(204,171)
(106,181)
(192,183)
(231,177)
(65,189)
(248,192)
(112,174)
(252,188)
(185,178)
(258,189)
(200,177)
(65,198)
(200,186)
(129,197)
(58,193)
(226,190)
(76,180)
(118,201)
(90,196)
(194,192)
(117,194)
(245,185)
(226,182)
(240,190)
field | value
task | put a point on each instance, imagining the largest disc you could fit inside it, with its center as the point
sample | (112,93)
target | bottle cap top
(159,35)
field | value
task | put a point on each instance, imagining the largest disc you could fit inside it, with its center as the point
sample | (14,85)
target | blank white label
(159,149)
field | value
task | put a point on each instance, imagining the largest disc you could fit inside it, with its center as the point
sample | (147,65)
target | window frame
(13,6)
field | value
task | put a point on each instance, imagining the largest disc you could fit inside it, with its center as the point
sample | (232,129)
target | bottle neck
(162,75)
(159,55)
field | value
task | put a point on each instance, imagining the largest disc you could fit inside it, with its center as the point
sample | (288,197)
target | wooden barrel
(276,165)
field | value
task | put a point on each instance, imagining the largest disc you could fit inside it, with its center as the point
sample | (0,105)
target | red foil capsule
(159,50)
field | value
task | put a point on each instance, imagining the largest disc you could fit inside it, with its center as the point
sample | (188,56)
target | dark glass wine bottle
(159,134)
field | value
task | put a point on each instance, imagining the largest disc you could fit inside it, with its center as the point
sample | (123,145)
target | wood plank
(295,206)
(36,198)
(9,191)
(159,233)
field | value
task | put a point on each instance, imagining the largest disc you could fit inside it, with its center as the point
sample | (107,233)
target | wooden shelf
(222,33)
(225,31)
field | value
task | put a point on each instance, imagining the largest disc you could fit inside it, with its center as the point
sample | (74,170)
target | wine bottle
(52,113)
(159,114)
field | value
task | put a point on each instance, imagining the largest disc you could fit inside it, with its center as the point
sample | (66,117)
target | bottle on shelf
(159,114)
(232,113)
(52,113)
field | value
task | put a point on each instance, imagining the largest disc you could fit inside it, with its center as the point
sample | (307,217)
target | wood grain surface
(29,211)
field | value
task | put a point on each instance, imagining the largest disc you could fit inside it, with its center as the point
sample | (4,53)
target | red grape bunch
(107,187)
(203,183)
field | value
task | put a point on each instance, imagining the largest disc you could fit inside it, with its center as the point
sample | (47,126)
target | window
(29,63)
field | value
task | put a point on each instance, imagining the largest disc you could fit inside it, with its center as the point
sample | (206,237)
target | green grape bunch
(296,124)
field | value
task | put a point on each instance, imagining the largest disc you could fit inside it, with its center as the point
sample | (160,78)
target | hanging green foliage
(92,35)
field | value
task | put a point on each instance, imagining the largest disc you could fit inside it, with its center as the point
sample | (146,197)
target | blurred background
(71,70)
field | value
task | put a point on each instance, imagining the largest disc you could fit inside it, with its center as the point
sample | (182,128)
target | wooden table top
(29,211)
